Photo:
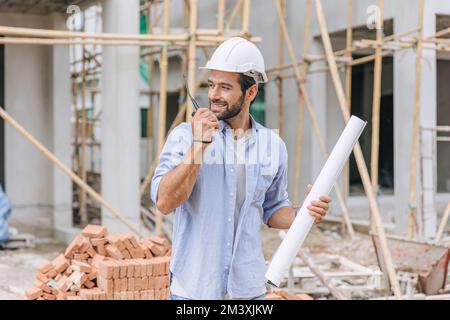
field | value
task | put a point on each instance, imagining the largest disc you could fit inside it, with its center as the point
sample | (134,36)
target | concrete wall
(28,174)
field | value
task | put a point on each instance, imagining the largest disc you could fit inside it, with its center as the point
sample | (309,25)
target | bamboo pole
(237,8)
(221,16)
(311,112)
(203,41)
(246,18)
(335,292)
(301,104)
(443,223)
(192,55)
(412,210)
(280,62)
(47,33)
(82,194)
(376,104)
(163,73)
(357,150)
(348,93)
(67,171)
(151,78)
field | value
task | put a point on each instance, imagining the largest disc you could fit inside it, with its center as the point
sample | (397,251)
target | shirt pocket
(262,185)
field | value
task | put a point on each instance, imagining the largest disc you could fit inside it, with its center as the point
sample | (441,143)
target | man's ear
(252,92)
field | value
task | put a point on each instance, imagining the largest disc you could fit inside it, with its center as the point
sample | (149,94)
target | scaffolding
(159,40)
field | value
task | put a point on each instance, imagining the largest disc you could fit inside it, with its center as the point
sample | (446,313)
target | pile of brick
(282,295)
(98,266)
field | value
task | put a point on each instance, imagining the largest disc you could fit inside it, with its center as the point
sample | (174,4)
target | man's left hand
(318,208)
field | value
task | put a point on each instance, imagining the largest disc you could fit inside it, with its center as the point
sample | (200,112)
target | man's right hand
(203,124)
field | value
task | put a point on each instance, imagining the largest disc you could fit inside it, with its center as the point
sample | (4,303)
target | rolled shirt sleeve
(276,196)
(176,147)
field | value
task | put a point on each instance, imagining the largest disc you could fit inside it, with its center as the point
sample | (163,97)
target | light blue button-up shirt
(203,262)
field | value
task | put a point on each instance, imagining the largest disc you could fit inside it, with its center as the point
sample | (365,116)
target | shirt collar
(223,125)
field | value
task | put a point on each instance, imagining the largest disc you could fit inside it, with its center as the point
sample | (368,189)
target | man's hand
(203,124)
(318,209)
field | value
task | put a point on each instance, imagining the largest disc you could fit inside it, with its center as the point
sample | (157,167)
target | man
(224,174)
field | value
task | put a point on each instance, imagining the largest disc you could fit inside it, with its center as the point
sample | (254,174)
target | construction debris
(282,295)
(102,266)
(423,266)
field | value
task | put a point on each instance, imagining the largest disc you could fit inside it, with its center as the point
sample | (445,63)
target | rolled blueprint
(303,222)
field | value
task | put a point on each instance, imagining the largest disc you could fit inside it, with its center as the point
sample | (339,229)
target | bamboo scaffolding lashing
(343,52)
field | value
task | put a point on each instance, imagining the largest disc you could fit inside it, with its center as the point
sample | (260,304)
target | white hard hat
(238,55)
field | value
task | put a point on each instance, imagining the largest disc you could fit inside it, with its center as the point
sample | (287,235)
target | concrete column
(60,97)
(404,74)
(319,101)
(428,117)
(120,117)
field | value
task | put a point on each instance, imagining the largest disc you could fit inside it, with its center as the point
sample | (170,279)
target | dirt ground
(18,267)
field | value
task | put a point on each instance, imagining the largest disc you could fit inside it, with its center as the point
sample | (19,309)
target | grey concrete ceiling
(42,7)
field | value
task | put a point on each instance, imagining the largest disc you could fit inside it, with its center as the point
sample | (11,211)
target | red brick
(33,293)
(98,241)
(131,284)
(113,252)
(123,284)
(60,263)
(137,269)
(117,284)
(85,245)
(44,287)
(151,294)
(160,241)
(91,252)
(151,283)
(116,269)
(45,267)
(101,250)
(62,284)
(96,259)
(74,246)
(144,283)
(41,277)
(80,256)
(81,266)
(134,242)
(123,268)
(94,231)
(126,254)
(89,284)
(51,273)
(142,267)
(48,296)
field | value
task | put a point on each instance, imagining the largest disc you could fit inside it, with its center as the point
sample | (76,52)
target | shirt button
(226,268)
(229,220)
(231,194)
(232,170)
(228,244)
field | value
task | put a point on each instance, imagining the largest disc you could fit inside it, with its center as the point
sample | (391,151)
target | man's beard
(230,112)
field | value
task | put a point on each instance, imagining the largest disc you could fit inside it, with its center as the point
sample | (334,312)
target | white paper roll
(302,224)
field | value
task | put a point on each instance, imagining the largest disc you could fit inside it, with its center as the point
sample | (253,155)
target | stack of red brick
(100,266)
